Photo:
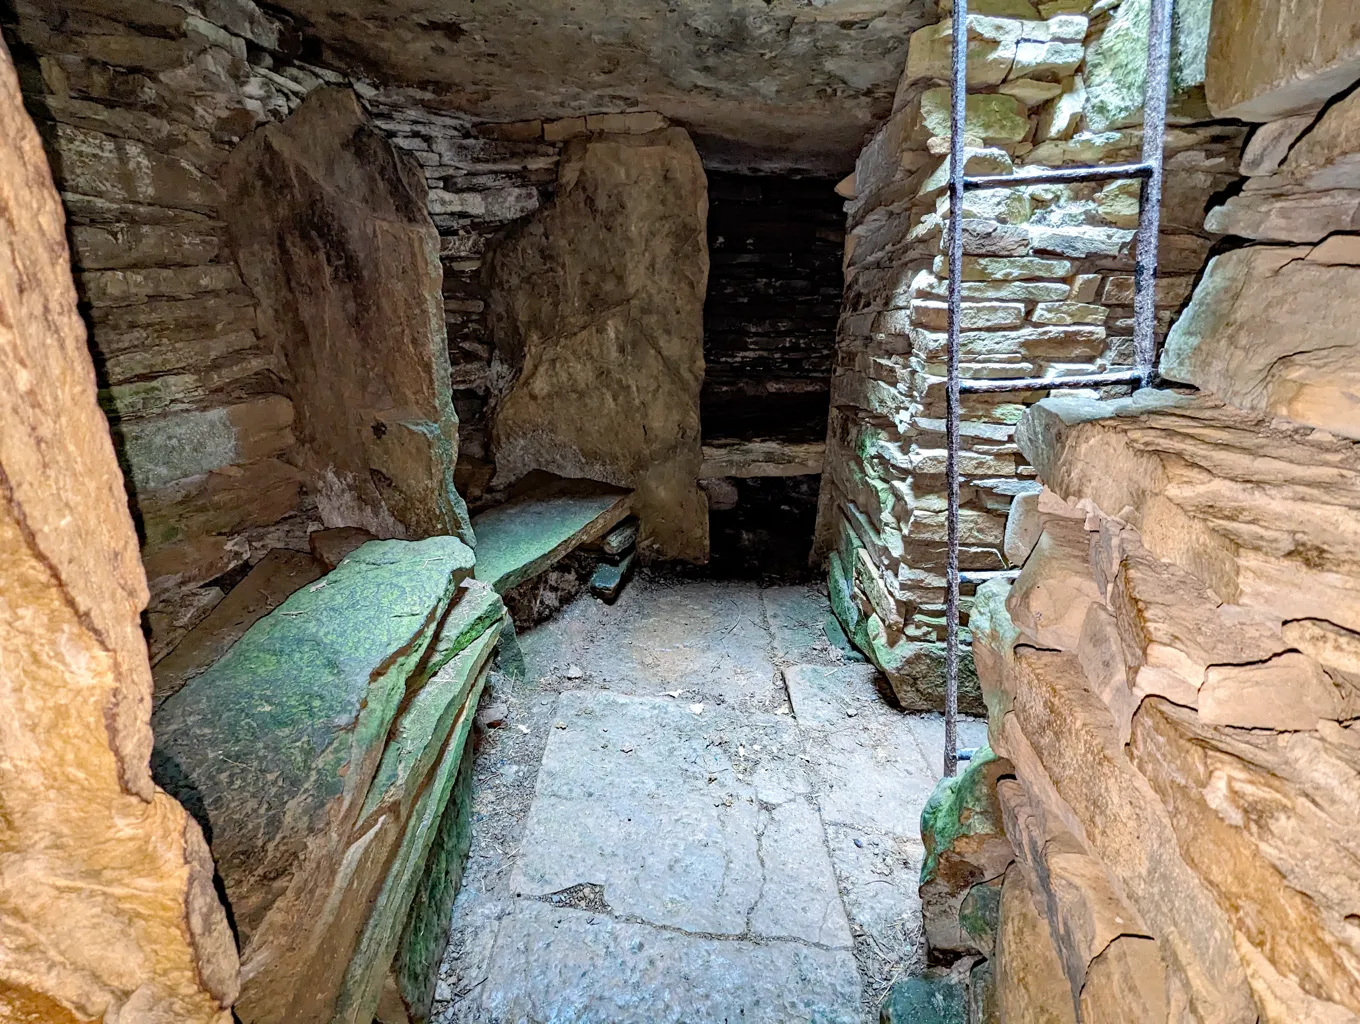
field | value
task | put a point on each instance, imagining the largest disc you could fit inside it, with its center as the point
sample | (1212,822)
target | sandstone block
(1116,67)
(1275,58)
(164,449)
(1069,313)
(610,279)
(1031,987)
(107,886)
(1270,144)
(1050,49)
(1194,511)
(997,268)
(1073,736)
(992,43)
(1272,849)
(1049,599)
(1290,691)
(1112,965)
(1255,336)
(1287,215)
(989,118)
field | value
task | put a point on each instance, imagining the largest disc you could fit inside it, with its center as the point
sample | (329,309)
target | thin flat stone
(799,899)
(518,540)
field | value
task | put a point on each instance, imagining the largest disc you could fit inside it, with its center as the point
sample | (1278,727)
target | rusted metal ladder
(1149,172)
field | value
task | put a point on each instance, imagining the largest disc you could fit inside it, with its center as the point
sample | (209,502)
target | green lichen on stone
(963,805)
(284,732)
(416,967)
(377,947)
(419,734)
(477,608)
(980,914)
(928,999)
(518,540)
(842,599)
(161,449)
(509,654)
(1116,66)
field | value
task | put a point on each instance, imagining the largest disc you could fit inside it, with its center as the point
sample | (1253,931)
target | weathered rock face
(79,810)
(1272,58)
(1256,336)
(597,312)
(334,238)
(788,81)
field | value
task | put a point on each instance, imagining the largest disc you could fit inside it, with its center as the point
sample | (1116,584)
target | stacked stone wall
(1048,290)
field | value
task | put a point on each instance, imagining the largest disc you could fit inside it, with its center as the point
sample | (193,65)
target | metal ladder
(1149,172)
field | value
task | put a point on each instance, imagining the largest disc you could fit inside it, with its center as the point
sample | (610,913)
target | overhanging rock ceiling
(791,83)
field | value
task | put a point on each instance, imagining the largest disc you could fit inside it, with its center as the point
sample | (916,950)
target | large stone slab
(107,886)
(428,743)
(518,540)
(331,229)
(1256,336)
(1272,58)
(564,964)
(597,311)
(635,796)
(311,691)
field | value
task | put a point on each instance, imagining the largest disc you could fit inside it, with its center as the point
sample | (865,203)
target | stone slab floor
(696,808)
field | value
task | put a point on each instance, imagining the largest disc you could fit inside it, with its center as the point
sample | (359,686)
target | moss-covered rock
(966,845)
(929,999)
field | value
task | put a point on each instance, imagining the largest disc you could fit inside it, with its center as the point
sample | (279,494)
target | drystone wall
(1048,290)
(1173,681)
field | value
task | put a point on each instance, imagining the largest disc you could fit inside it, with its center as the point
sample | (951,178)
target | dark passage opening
(774,296)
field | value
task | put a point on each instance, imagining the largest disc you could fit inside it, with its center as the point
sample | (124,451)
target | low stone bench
(326,757)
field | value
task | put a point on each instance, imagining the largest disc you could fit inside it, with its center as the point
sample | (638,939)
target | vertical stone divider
(333,235)
(107,908)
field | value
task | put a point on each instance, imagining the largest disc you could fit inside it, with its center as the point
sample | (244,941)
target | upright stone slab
(331,229)
(597,309)
(275,749)
(107,909)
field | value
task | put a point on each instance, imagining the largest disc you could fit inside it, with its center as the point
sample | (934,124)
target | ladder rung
(1059,176)
(976,386)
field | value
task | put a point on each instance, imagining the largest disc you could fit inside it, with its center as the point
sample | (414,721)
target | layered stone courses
(1048,290)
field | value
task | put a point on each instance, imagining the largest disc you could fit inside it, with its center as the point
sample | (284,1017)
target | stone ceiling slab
(796,82)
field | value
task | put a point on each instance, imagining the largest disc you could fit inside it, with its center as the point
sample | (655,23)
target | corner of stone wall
(1048,290)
